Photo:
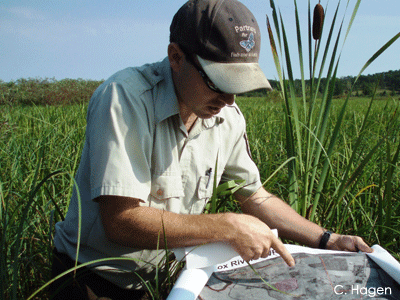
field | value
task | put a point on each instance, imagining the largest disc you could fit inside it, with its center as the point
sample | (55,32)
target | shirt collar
(166,101)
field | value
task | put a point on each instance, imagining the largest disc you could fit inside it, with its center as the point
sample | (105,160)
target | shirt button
(160,192)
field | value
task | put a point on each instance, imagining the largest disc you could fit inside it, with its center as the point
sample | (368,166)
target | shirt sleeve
(120,141)
(240,165)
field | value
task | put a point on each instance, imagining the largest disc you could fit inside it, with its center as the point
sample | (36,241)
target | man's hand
(253,239)
(347,243)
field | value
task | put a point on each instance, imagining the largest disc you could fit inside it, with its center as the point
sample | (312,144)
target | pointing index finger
(280,248)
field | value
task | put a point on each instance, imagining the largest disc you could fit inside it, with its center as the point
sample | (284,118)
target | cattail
(318,21)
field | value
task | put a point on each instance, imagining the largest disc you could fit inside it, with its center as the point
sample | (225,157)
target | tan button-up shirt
(137,146)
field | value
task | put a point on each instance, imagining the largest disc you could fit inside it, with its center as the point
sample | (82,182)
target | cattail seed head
(318,21)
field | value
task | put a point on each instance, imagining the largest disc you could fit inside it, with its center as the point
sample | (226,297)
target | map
(321,276)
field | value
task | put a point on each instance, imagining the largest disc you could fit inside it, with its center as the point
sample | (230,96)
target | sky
(94,39)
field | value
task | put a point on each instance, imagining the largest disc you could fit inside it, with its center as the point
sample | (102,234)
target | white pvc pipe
(190,283)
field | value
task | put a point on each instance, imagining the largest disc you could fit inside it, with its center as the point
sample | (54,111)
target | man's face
(197,96)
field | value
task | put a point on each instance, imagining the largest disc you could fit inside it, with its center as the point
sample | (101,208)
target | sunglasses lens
(209,83)
(212,86)
(207,80)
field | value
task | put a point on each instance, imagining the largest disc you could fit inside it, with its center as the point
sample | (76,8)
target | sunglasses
(203,75)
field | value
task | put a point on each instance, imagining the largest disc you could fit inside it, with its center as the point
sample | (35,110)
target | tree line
(36,91)
(386,84)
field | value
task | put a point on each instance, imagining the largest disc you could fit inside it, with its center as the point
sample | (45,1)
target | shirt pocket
(204,192)
(205,187)
(166,192)
(206,184)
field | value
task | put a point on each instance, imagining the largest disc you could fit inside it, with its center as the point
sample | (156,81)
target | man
(153,137)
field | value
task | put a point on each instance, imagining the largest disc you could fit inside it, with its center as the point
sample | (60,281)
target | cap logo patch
(248,44)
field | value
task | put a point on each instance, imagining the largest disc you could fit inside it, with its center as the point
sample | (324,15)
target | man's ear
(176,56)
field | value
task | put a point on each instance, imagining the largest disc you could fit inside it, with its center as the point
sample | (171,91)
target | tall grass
(322,179)
(40,151)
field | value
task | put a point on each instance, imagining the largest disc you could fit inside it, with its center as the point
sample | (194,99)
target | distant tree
(339,87)
(367,89)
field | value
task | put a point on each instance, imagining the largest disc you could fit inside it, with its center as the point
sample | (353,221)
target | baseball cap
(225,36)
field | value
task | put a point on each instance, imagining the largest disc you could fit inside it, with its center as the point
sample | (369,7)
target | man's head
(225,37)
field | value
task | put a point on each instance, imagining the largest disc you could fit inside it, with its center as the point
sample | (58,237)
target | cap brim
(235,78)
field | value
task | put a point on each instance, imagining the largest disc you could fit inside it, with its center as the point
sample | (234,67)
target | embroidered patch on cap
(248,44)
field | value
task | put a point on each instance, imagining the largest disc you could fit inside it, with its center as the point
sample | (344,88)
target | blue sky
(94,39)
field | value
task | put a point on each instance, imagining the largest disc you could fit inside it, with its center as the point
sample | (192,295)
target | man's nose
(229,99)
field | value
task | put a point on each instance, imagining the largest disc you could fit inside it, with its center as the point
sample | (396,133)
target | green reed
(323,185)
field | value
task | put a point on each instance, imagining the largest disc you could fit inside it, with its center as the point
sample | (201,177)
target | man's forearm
(277,214)
(148,228)
(127,223)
